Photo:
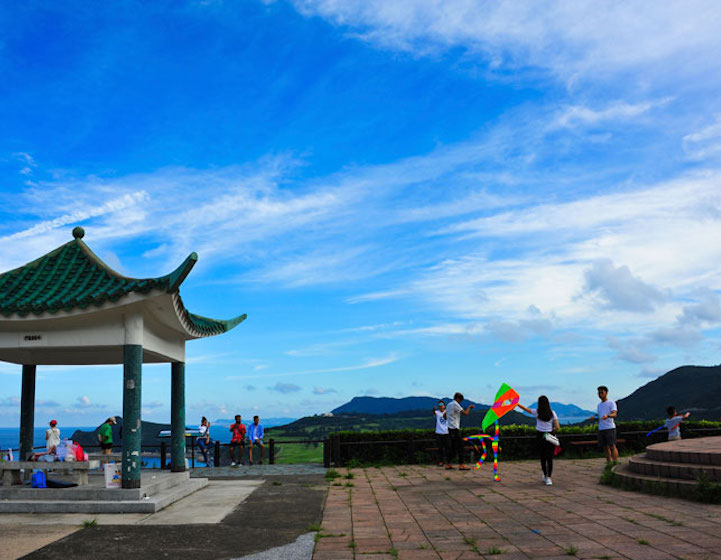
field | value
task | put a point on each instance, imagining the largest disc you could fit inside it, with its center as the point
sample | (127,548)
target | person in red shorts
(237,441)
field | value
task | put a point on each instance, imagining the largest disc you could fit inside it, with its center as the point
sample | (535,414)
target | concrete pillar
(177,417)
(27,412)
(132,434)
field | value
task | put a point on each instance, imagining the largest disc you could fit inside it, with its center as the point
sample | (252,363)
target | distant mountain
(389,405)
(265,422)
(567,413)
(689,388)
(149,432)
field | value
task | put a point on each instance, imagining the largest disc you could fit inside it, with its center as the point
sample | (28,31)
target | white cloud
(707,310)
(285,388)
(324,390)
(705,143)
(368,364)
(619,289)
(567,38)
(630,351)
(619,111)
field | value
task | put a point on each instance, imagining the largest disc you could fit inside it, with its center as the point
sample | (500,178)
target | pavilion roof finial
(78,232)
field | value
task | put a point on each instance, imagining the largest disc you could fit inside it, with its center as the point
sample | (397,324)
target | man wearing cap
(105,436)
(52,436)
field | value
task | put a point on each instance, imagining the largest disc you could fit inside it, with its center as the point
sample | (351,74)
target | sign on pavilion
(70,308)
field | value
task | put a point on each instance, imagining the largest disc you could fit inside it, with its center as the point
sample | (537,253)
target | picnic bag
(38,480)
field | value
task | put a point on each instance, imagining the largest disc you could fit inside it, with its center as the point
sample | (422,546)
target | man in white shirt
(453,418)
(607,411)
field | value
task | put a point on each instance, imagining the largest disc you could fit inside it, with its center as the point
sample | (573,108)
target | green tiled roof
(73,277)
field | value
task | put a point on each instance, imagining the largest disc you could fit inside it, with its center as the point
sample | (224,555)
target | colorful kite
(506,400)
(494,446)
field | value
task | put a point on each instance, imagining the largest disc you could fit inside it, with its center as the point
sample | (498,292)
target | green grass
(393,552)
(289,453)
(642,541)
(89,523)
(571,551)
(473,543)
(319,535)
(332,474)
(493,550)
(313,527)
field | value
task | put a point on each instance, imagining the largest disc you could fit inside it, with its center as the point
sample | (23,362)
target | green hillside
(689,388)
(317,427)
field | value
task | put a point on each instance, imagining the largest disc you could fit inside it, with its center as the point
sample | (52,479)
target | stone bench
(117,457)
(11,470)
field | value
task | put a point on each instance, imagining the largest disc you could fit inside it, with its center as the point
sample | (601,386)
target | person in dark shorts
(453,417)
(237,441)
(607,411)
(105,436)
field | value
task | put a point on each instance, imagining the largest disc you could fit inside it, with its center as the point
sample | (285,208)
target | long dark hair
(544,409)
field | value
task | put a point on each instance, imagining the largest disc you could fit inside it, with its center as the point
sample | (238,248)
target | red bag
(79,453)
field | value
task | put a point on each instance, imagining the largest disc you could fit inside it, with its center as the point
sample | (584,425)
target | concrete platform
(674,465)
(158,490)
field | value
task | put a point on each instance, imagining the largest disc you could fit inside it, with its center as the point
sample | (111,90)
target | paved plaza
(426,512)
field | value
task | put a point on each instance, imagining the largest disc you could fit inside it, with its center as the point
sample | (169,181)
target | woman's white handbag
(550,438)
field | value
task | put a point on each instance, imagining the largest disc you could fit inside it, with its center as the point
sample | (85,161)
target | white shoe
(232,464)
(548,481)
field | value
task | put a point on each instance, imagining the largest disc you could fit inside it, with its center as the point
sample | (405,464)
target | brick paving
(425,512)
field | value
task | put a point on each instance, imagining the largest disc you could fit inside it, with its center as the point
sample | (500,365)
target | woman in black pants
(546,421)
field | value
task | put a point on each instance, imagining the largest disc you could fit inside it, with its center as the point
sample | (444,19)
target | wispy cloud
(568,39)
(369,364)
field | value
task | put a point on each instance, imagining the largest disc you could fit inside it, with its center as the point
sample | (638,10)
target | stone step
(150,504)
(645,482)
(151,485)
(643,464)
(703,451)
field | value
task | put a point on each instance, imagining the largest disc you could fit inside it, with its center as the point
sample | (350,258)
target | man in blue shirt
(255,437)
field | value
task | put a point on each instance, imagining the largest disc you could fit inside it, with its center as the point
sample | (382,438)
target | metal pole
(177,417)
(132,434)
(216,454)
(163,453)
(271,452)
(27,412)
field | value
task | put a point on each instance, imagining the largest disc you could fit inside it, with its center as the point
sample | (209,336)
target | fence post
(192,451)
(411,450)
(336,452)
(271,452)
(163,450)
(216,453)
(326,453)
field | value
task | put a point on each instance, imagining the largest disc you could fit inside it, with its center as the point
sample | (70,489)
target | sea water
(10,437)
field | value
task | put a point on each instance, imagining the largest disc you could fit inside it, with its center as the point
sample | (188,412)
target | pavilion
(70,308)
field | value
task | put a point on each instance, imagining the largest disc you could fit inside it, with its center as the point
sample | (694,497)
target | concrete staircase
(157,491)
(673,466)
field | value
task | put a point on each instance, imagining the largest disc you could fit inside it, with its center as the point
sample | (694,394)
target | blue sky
(406,198)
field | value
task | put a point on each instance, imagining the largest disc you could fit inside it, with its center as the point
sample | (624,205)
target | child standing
(673,424)
(442,437)
(546,421)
